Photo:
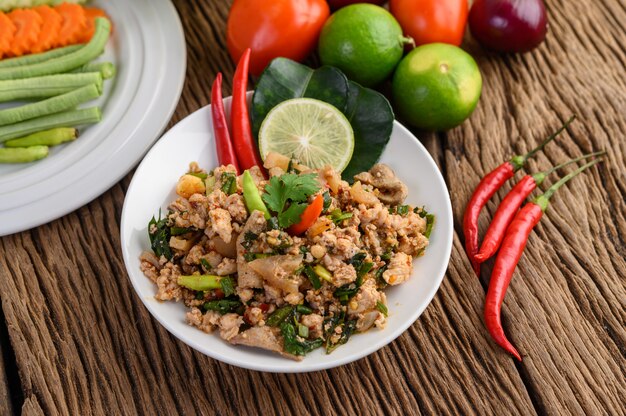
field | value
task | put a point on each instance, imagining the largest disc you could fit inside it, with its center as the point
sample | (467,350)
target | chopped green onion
(200,282)
(313,277)
(223,306)
(323,273)
(337,216)
(304,310)
(279,316)
(209,184)
(179,231)
(303,331)
(430,222)
(382,308)
(229,183)
(201,175)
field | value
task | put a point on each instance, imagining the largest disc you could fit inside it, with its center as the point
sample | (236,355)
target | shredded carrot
(28,24)
(74,23)
(91,13)
(7,32)
(49,30)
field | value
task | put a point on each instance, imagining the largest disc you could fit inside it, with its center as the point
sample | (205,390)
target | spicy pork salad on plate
(285,264)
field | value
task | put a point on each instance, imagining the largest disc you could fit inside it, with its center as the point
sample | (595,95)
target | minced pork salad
(289,264)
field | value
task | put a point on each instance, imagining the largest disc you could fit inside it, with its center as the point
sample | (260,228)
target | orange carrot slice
(7,32)
(90,29)
(49,29)
(73,25)
(28,24)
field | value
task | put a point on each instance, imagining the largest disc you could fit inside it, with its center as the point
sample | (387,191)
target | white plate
(190,140)
(148,48)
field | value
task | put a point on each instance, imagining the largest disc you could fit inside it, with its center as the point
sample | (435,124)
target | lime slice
(311,131)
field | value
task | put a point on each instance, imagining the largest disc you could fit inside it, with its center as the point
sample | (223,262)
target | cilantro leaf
(291,215)
(293,189)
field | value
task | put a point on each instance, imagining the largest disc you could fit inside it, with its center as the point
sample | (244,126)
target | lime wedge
(311,131)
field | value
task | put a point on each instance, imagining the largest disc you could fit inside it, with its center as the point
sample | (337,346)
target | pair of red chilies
(509,229)
(241,152)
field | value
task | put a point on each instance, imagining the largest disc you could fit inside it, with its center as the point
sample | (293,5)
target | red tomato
(429,21)
(336,4)
(273,28)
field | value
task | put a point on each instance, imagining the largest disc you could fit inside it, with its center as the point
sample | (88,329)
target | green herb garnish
(292,189)
(229,183)
(200,175)
(430,222)
(382,308)
(205,263)
(327,201)
(228,285)
(159,234)
(223,306)
(279,315)
(313,277)
(337,216)
(293,345)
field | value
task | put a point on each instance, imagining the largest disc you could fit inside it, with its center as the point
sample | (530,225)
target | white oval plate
(148,48)
(190,140)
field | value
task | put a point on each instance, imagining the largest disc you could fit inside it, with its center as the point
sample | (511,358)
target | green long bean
(23,154)
(106,69)
(38,57)
(50,137)
(65,119)
(46,86)
(66,62)
(63,102)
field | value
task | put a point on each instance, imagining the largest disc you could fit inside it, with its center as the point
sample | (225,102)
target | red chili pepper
(509,206)
(223,145)
(485,190)
(245,146)
(308,217)
(511,251)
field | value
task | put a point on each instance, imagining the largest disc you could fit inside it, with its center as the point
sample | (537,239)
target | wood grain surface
(84,344)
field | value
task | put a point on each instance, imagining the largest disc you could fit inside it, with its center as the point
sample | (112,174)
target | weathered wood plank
(6,402)
(84,343)
(566,307)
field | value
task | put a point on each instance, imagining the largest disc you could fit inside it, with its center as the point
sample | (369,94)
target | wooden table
(75,338)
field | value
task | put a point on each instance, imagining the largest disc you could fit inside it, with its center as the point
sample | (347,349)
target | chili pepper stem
(539,177)
(544,200)
(520,160)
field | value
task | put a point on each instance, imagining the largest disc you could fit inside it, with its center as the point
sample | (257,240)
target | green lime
(364,41)
(436,86)
(311,131)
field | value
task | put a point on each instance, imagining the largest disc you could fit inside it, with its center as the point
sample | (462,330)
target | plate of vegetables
(85,89)
(260,261)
